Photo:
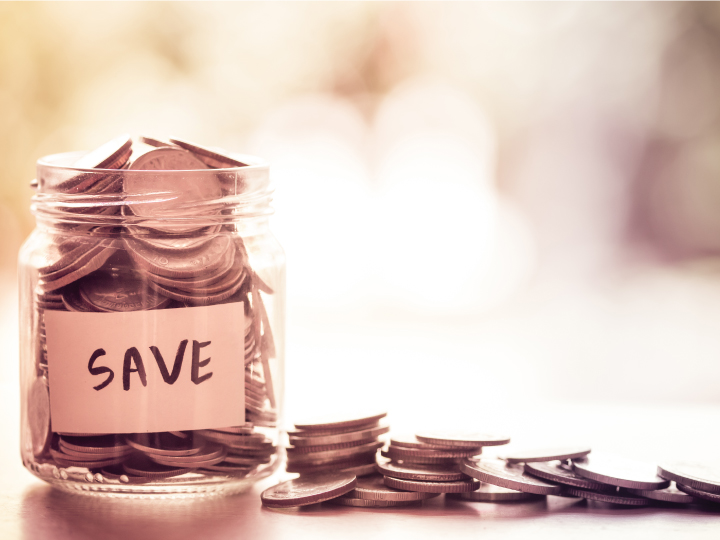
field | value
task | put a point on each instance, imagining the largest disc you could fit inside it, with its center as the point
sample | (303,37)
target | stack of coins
(343,445)
(149,265)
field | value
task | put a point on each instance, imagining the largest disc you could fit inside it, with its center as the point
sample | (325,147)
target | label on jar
(146,371)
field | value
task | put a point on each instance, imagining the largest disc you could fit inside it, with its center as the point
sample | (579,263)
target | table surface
(33,510)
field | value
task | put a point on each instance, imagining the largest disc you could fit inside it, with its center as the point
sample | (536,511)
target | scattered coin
(457,486)
(546,454)
(298,440)
(696,475)
(375,488)
(619,471)
(332,424)
(499,473)
(419,472)
(669,494)
(557,471)
(604,497)
(455,439)
(308,489)
(490,493)
(712,497)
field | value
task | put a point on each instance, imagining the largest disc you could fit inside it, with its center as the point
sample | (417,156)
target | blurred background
(483,205)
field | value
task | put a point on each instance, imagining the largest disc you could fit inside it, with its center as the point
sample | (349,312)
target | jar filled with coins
(152,321)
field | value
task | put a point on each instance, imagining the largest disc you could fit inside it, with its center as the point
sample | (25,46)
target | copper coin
(559,472)
(546,454)
(713,497)
(490,493)
(309,489)
(669,494)
(499,473)
(696,475)
(420,472)
(604,497)
(111,155)
(332,424)
(210,157)
(452,438)
(619,471)
(458,486)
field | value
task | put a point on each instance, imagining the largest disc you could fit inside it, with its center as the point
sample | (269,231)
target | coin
(300,450)
(559,472)
(143,466)
(419,472)
(420,459)
(165,159)
(92,445)
(332,455)
(335,465)
(499,473)
(164,444)
(401,453)
(211,454)
(490,493)
(546,454)
(93,264)
(340,438)
(374,488)
(39,416)
(669,494)
(120,291)
(211,158)
(619,471)
(696,475)
(604,497)
(713,497)
(360,470)
(111,155)
(457,486)
(157,143)
(451,438)
(370,503)
(409,441)
(331,424)
(309,489)
(174,266)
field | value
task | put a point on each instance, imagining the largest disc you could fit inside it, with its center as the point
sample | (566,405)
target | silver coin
(340,438)
(120,291)
(490,493)
(300,450)
(95,263)
(38,413)
(111,155)
(409,441)
(670,494)
(331,466)
(173,266)
(331,424)
(696,475)
(92,445)
(700,494)
(164,444)
(604,497)
(143,466)
(499,473)
(360,470)
(419,472)
(60,259)
(370,503)
(374,488)
(157,143)
(546,454)
(165,159)
(69,461)
(95,456)
(309,489)
(332,455)
(399,452)
(457,486)
(619,471)
(557,471)
(211,158)
(452,438)
(208,456)
(407,459)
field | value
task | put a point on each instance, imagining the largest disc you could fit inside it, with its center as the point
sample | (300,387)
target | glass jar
(152,309)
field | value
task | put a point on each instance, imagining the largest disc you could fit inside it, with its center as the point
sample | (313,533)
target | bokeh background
(484,206)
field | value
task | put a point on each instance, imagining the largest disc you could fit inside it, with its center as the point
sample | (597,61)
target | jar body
(151,353)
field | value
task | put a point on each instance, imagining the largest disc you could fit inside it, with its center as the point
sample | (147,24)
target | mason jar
(152,305)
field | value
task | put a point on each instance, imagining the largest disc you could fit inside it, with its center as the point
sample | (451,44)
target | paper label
(146,371)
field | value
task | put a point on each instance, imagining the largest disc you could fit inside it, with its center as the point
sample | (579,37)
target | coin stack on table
(154,264)
(415,468)
(338,445)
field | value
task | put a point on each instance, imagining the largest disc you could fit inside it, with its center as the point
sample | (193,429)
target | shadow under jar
(152,329)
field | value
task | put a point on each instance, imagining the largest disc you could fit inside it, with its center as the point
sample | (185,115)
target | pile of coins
(415,468)
(151,264)
(347,446)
